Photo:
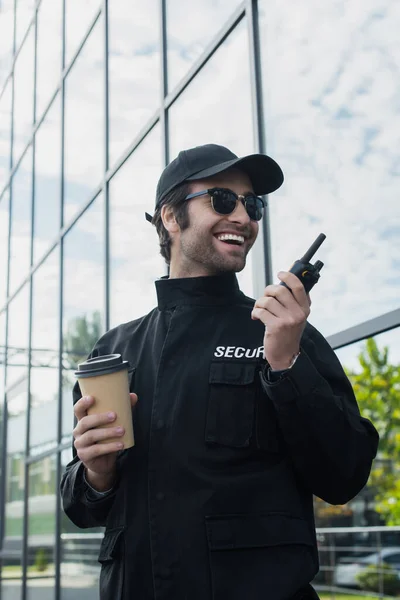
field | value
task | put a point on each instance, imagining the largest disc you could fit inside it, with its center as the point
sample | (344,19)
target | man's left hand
(284,315)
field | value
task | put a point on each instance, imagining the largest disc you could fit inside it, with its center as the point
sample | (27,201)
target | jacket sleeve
(82,509)
(330,444)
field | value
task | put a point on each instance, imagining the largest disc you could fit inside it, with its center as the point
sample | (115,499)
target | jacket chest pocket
(230,413)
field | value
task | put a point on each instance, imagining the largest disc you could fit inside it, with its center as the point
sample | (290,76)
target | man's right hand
(98,455)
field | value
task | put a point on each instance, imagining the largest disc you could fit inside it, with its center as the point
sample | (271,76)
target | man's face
(198,251)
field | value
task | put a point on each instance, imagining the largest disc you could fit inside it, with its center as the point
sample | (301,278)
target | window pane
(84,124)
(6,38)
(79,14)
(134,69)
(84,293)
(135,258)
(2,389)
(23,96)
(47,213)
(45,355)
(4,226)
(48,58)
(79,551)
(5,134)
(43,487)
(24,17)
(225,120)
(16,398)
(20,252)
(190,28)
(17,359)
(336,136)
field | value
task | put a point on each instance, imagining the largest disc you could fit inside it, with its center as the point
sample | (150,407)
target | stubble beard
(202,253)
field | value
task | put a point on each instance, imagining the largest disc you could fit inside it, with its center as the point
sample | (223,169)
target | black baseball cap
(205,161)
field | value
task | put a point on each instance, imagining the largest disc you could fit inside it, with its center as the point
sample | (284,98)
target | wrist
(100,482)
(285,364)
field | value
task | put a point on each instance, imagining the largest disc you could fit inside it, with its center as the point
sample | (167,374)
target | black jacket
(215,501)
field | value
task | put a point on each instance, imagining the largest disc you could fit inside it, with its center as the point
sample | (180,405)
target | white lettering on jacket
(238,352)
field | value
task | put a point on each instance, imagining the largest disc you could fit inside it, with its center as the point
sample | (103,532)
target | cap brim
(265,174)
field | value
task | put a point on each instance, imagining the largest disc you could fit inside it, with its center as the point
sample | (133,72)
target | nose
(240,215)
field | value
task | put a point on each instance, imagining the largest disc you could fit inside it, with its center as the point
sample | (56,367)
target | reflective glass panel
(2,388)
(134,69)
(4,226)
(190,29)
(43,487)
(16,406)
(373,367)
(47,212)
(336,135)
(225,118)
(84,294)
(24,17)
(5,134)
(45,355)
(80,570)
(20,250)
(6,38)
(48,58)
(79,14)
(134,248)
(84,124)
(23,96)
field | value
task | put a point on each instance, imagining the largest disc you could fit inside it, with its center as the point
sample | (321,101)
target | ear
(168,219)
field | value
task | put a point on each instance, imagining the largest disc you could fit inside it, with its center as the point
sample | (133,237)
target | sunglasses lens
(224,201)
(254,207)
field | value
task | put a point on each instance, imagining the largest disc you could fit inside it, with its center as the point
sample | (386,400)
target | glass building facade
(96,97)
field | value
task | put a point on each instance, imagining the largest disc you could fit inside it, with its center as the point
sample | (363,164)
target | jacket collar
(201,291)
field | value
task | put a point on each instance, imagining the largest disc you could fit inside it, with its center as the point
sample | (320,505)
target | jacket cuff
(301,380)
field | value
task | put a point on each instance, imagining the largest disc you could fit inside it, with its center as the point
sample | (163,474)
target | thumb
(134,399)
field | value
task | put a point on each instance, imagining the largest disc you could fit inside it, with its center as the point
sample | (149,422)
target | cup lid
(101,365)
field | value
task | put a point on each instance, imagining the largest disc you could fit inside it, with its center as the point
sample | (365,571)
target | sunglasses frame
(238,197)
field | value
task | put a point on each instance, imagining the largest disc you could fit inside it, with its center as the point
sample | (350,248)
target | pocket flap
(110,545)
(230,532)
(232,373)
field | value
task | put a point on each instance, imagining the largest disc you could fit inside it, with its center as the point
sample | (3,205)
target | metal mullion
(15,53)
(219,39)
(164,82)
(106,191)
(151,123)
(64,74)
(264,254)
(57,549)
(365,330)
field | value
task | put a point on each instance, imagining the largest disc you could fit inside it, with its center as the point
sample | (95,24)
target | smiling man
(244,412)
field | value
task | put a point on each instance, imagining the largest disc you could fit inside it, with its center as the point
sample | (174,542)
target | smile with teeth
(231,237)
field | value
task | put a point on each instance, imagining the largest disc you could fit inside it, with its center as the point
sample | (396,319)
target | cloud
(338,171)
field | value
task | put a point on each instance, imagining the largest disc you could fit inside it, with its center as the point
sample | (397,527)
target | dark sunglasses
(224,202)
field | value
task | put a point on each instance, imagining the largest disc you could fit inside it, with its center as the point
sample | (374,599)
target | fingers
(134,399)
(94,436)
(297,288)
(92,421)
(80,407)
(89,453)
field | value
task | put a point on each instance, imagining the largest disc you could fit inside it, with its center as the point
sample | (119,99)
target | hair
(176,200)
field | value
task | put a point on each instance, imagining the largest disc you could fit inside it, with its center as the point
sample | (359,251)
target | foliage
(82,334)
(377,389)
(41,560)
(373,576)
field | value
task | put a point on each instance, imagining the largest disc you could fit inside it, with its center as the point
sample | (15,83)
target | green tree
(377,389)
(82,334)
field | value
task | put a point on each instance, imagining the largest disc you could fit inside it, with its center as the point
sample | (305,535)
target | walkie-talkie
(306,272)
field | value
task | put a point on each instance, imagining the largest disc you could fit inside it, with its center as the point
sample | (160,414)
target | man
(244,412)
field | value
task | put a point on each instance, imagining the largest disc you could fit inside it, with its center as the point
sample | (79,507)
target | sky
(331,98)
